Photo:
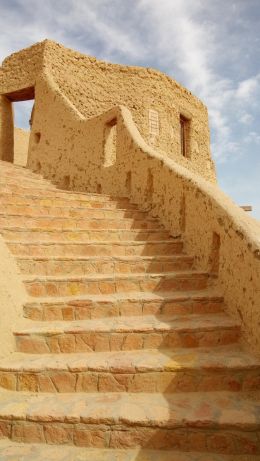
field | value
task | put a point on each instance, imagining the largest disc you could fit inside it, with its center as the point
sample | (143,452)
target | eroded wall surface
(6,130)
(185,203)
(92,87)
(114,153)
(20,70)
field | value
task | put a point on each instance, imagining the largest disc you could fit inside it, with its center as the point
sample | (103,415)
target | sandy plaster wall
(21,146)
(94,86)
(20,70)
(6,130)
(184,202)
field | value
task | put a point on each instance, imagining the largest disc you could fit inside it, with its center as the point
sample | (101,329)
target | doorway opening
(21,105)
(22,117)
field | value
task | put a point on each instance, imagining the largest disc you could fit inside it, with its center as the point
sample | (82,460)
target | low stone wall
(107,154)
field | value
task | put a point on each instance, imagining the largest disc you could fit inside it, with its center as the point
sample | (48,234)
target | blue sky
(211,47)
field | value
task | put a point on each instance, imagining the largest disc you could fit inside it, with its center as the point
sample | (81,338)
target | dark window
(185,135)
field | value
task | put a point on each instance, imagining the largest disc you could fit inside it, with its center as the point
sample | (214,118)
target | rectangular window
(110,139)
(153,122)
(185,136)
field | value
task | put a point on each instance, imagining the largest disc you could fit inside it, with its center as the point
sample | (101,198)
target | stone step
(96,248)
(17,180)
(53,192)
(9,188)
(123,304)
(127,333)
(83,235)
(101,284)
(91,202)
(22,174)
(13,451)
(72,212)
(228,423)
(96,265)
(72,224)
(196,370)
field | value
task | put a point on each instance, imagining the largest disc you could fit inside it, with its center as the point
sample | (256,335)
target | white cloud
(252,137)
(246,119)
(247,88)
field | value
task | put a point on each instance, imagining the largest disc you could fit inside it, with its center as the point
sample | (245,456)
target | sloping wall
(222,237)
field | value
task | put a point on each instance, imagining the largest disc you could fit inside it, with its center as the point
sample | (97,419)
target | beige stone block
(58,435)
(27,433)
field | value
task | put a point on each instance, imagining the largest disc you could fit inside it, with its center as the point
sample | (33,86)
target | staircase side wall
(71,152)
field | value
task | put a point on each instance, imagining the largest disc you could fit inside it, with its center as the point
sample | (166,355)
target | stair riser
(58,202)
(70,250)
(51,267)
(107,341)
(106,235)
(48,223)
(60,288)
(107,435)
(94,310)
(131,381)
(91,213)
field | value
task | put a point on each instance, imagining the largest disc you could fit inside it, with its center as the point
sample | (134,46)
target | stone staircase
(126,353)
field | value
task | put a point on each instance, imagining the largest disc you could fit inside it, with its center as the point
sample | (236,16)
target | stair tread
(53,217)
(75,208)
(78,231)
(218,358)
(108,258)
(10,451)
(194,410)
(115,276)
(147,323)
(69,194)
(135,296)
(95,242)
